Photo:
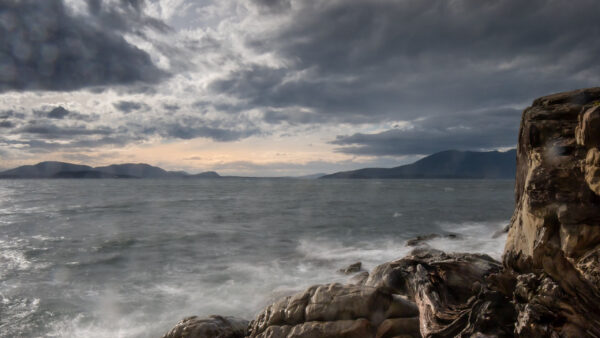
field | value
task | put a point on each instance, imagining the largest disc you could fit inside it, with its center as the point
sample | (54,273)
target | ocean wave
(473,237)
(370,253)
(12,255)
(18,314)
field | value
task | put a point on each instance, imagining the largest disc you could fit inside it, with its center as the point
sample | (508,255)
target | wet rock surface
(422,239)
(351,269)
(213,326)
(548,284)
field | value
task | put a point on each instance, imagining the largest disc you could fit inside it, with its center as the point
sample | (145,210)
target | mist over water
(130,258)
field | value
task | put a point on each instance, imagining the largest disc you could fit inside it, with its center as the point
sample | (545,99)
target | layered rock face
(547,286)
(554,238)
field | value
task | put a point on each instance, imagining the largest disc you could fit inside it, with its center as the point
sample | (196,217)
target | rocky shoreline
(548,284)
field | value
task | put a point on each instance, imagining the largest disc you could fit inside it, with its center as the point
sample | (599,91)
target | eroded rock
(555,230)
(331,303)
(351,269)
(211,327)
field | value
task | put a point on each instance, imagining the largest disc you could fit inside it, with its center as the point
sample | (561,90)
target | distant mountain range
(446,164)
(69,170)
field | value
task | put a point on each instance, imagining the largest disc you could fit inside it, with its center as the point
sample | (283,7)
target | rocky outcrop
(554,239)
(548,284)
(335,310)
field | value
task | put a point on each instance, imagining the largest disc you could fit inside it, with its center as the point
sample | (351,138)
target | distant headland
(53,169)
(449,164)
(446,164)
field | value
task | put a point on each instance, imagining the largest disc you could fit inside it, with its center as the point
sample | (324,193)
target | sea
(130,258)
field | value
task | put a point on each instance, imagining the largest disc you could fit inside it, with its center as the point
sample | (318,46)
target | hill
(68,170)
(446,164)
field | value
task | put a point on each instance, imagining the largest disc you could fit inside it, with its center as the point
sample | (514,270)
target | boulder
(351,269)
(331,303)
(422,239)
(211,327)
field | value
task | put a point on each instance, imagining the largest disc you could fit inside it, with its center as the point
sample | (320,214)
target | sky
(280,87)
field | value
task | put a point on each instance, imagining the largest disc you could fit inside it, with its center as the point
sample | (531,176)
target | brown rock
(395,327)
(211,327)
(360,328)
(422,239)
(331,303)
(555,230)
(352,268)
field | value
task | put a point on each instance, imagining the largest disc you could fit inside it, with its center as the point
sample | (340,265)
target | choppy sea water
(129,258)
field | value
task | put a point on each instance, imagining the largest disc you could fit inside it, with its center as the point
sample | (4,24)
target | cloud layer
(369,79)
(45,47)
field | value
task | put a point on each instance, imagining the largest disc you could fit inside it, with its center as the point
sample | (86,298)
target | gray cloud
(476,131)
(217,134)
(9,113)
(358,61)
(171,107)
(60,113)
(6,124)
(450,68)
(190,127)
(45,47)
(52,131)
(129,106)
(272,6)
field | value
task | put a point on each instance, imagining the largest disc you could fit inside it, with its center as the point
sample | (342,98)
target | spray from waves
(473,237)
(335,255)
(82,326)
(17,313)
(242,289)
(12,255)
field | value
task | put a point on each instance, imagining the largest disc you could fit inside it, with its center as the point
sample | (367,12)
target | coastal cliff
(553,242)
(548,284)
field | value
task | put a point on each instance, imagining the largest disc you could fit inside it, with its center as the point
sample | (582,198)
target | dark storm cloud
(129,106)
(477,131)
(373,61)
(45,47)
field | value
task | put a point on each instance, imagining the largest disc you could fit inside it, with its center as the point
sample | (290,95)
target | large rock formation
(553,242)
(547,286)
